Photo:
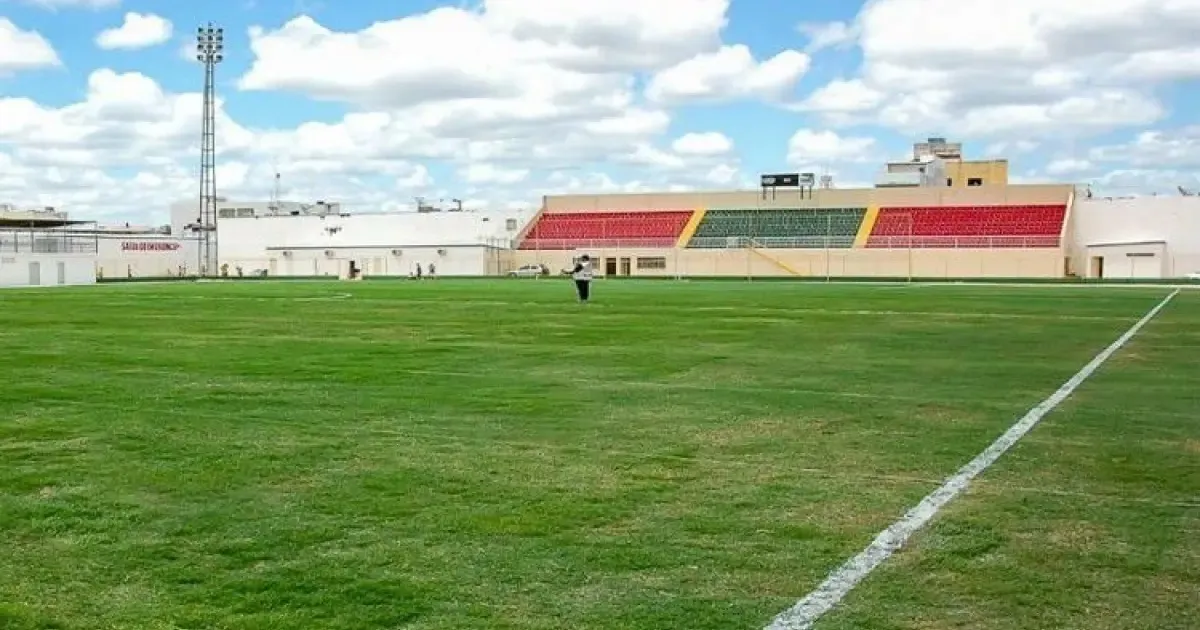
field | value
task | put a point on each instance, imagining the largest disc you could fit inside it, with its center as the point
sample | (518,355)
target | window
(949,181)
(652,263)
(245,212)
(225,213)
(974,181)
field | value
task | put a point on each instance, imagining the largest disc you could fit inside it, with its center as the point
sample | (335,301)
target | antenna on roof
(1185,192)
(275,190)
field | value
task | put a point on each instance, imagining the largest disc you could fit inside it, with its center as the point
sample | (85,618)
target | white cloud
(731,72)
(1159,65)
(1137,181)
(707,144)
(74,4)
(843,102)
(139,30)
(651,156)
(1002,149)
(1068,166)
(809,147)
(517,98)
(490,174)
(522,53)
(1171,149)
(822,35)
(23,50)
(724,175)
(59,155)
(1022,68)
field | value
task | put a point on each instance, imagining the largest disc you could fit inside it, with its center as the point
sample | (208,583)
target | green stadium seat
(795,228)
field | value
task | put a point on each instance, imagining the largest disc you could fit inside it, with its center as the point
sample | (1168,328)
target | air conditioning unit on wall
(287,254)
(441,252)
(329,253)
(397,252)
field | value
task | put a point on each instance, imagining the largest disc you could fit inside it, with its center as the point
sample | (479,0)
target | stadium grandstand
(1002,231)
(935,216)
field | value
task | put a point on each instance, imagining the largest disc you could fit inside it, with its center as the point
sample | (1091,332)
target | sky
(498,102)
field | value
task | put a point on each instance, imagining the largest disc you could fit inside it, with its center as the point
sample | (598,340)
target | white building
(41,248)
(456,243)
(926,171)
(1137,237)
(185,214)
(145,255)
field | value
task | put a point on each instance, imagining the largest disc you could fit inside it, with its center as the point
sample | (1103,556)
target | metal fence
(607,243)
(771,242)
(47,242)
(799,242)
(962,242)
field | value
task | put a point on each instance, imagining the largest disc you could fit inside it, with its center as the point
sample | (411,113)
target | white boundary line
(829,593)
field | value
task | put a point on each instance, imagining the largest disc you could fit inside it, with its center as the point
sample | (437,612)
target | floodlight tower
(210,50)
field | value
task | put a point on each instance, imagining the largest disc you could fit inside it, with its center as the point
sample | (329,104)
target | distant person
(418,271)
(582,274)
(432,271)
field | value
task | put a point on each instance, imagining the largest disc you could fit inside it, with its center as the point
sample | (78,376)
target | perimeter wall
(865,263)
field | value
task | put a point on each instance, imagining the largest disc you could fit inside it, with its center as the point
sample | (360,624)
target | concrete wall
(23,270)
(834,198)
(1173,220)
(145,256)
(1142,260)
(461,260)
(881,263)
(992,172)
(457,244)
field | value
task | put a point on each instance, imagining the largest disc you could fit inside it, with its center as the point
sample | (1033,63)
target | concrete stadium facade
(745,259)
(1131,238)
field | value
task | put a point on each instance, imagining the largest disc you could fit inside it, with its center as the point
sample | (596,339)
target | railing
(772,242)
(961,242)
(797,242)
(607,243)
(46,242)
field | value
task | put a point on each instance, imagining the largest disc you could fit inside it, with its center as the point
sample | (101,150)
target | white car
(1195,275)
(529,271)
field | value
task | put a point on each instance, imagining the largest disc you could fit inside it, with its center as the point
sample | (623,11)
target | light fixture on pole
(210,50)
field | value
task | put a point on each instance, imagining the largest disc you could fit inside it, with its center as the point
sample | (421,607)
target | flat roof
(1126,244)
(34,221)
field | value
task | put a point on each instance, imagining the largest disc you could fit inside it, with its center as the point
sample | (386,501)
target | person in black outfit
(582,274)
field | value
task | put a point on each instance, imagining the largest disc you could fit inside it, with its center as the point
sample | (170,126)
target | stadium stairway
(775,261)
(797,228)
(572,230)
(969,226)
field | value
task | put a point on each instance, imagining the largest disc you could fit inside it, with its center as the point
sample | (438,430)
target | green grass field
(490,455)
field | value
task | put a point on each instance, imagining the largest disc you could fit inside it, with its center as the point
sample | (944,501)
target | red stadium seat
(576,230)
(968,226)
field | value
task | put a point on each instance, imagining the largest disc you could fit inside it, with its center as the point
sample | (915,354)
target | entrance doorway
(1097,270)
(625,266)
(610,266)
